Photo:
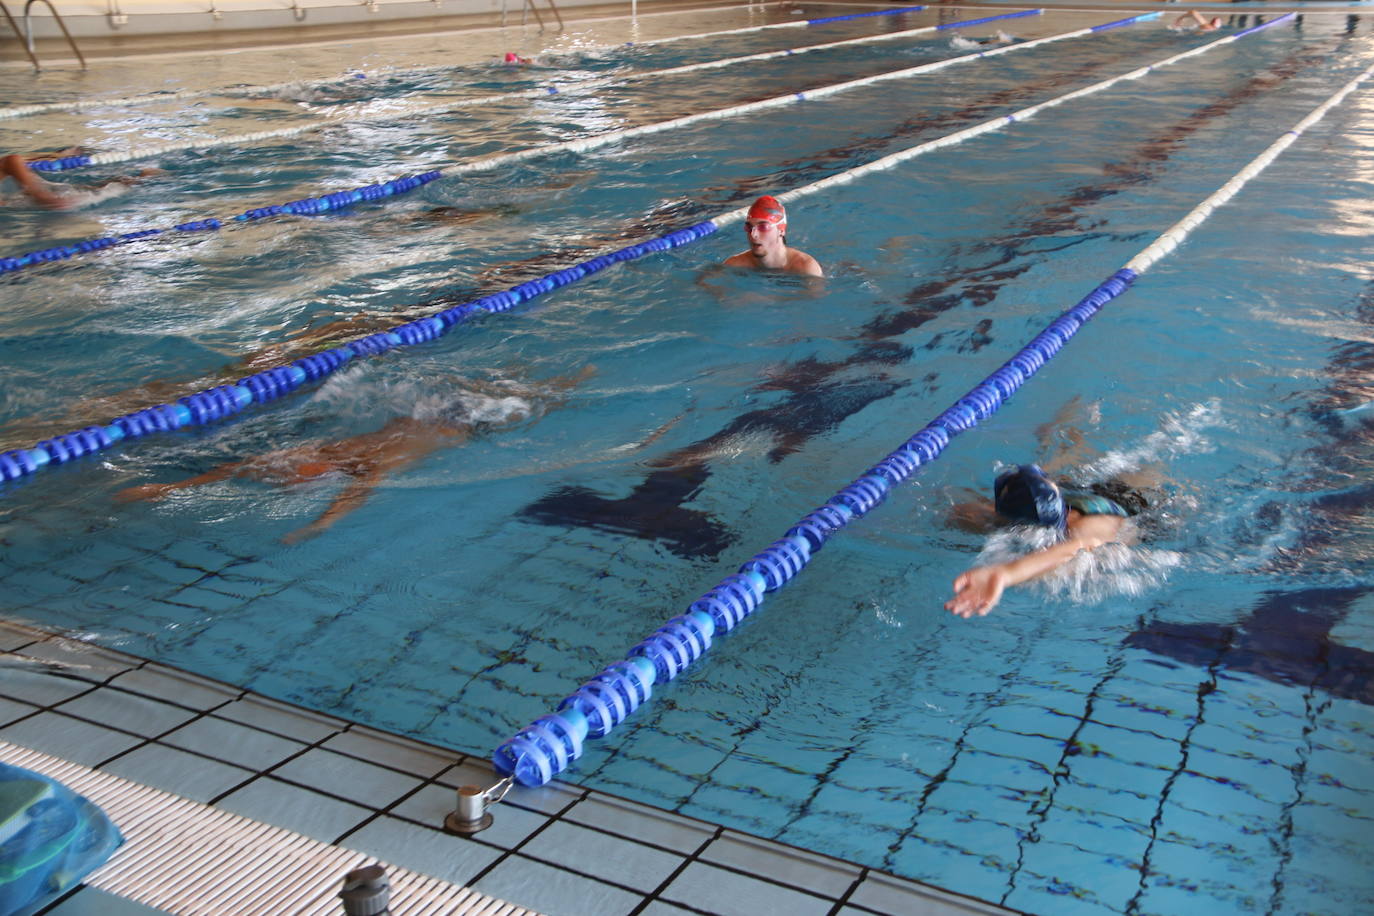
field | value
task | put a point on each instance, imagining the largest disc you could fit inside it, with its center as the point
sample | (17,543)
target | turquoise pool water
(1179,726)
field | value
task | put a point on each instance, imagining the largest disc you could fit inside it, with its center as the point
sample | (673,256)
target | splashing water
(1178,434)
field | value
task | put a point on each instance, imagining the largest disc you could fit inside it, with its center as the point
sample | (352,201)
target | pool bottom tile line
(180,742)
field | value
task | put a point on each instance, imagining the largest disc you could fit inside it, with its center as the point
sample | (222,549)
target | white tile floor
(559,850)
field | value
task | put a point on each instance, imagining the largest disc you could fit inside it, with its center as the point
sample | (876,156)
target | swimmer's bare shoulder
(799,262)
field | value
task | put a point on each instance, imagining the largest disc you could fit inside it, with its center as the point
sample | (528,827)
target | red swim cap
(512,57)
(768,208)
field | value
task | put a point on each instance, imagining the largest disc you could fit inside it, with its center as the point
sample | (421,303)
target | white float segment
(1175,234)
(19,111)
(339,115)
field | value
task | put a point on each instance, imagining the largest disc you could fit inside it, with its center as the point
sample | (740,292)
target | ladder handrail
(18,34)
(28,32)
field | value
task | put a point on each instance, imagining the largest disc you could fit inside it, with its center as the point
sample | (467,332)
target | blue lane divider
(222,401)
(545,747)
(965,23)
(307,206)
(891,12)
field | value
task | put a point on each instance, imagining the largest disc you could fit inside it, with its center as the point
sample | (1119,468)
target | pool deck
(214,760)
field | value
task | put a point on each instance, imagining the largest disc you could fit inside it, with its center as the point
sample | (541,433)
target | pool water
(1180,725)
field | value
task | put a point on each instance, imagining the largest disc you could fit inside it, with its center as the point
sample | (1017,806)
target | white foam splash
(1178,434)
(1111,570)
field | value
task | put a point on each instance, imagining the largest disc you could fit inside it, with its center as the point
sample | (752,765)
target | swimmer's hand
(977,591)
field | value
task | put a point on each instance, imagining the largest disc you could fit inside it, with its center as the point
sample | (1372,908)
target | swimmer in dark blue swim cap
(1086,521)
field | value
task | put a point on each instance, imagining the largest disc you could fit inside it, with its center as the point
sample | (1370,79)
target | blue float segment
(22,462)
(318,365)
(216,403)
(199,225)
(964,23)
(1130,20)
(1263,25)
(421,331)
(780,561)
(457,314)
(160,419)
(818,525)
(607,699)
(271,384)
(891,12)
(338,200)
(543,748)
(61,164)
(862,495)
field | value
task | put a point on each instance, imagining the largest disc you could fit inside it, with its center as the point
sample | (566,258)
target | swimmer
(54,196)
(1085,521)
(515,60)
(960,43)
(1193,20)
(766,229)
(365,459)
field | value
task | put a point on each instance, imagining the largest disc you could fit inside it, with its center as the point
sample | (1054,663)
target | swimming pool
(1185,731)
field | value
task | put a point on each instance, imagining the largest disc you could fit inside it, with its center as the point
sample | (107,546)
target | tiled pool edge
(308,772)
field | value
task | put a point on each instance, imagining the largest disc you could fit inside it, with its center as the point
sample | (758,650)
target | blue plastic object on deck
(52,838)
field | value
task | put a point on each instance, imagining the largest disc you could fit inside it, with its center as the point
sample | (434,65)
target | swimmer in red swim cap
(516,59)
(766,228)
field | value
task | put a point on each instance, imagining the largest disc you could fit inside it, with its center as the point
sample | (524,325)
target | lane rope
(547,746)
(343,115)
(222,401)
(339,199)
(21,111)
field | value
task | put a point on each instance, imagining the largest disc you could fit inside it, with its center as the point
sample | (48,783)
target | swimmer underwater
(1025,495)
(766,228)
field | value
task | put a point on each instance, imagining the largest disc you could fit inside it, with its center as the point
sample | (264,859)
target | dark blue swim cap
(1027,495)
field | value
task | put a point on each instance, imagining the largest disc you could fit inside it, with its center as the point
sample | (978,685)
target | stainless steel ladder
(26,37)
(526,7)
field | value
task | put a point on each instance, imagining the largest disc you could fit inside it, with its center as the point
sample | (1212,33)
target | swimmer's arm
(705,279)
(977,591)
(155,491)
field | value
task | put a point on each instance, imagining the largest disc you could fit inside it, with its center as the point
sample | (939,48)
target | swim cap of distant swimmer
(512,57)
(768,208)
(1027,495)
